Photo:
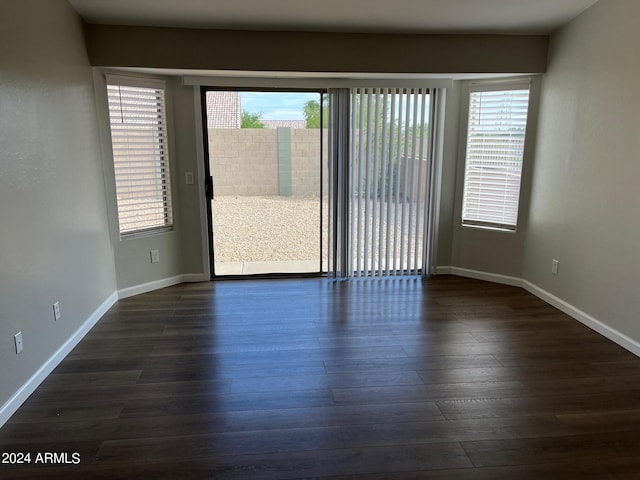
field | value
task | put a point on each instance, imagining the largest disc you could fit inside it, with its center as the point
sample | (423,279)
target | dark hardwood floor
(447,378)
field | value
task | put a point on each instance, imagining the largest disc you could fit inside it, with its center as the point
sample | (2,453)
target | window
(138,122)
(494,153)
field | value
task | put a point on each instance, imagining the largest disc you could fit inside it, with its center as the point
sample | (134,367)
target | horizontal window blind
(495,148)
(141,159)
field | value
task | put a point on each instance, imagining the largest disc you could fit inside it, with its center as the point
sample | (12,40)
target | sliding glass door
(313,182)
(265,156)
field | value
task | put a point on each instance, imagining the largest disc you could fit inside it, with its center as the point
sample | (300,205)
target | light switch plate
(17,338)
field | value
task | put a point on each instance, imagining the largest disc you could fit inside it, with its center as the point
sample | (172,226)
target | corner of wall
(19,397)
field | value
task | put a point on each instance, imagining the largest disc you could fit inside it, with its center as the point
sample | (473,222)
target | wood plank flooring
(446,378)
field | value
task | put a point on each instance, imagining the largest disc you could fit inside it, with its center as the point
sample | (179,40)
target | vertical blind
(338,158)
(389,171)
(495,147)
(137,117)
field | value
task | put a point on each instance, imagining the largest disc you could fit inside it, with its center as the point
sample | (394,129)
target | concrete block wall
(305,158)
(248,161)
(413,177)
(244,161)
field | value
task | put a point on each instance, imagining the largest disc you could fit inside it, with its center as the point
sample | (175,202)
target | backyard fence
(285,161)
(282,161)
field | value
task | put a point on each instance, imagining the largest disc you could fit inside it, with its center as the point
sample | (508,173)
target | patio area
(268,234)
(281,234)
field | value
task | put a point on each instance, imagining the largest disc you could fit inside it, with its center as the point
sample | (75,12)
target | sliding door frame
(438,88)
(209,185)
(208,178)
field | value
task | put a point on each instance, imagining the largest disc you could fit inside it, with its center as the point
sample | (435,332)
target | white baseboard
(149,287)
(18,398)
(162,283)
(602,328)
(12,405)
(195,277)
(478,275)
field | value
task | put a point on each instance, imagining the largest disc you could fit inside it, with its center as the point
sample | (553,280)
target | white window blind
(137,116)
(494,153)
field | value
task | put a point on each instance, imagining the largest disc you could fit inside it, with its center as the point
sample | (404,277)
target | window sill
(145,233)
(489,228)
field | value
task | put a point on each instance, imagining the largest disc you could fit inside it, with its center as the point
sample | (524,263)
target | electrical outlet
(188,178)
(56,311)
(554,267)
(17,338)
(155,256)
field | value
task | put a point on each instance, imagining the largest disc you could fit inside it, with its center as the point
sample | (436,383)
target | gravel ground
(273,228)
(270,228)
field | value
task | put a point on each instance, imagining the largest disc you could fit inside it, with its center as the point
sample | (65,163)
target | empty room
(341,240)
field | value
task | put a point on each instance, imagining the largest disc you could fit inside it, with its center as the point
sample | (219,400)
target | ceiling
(381,16)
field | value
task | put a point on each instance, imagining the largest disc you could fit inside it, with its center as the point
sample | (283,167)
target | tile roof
(284,123)
(223,109)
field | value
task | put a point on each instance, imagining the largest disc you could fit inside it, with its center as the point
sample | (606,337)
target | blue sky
(277,105)
(288,105)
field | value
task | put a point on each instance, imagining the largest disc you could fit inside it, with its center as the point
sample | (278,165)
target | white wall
(492,251)
(188,144)
(181,248)
(585,202)
(448,176)
(54,241)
